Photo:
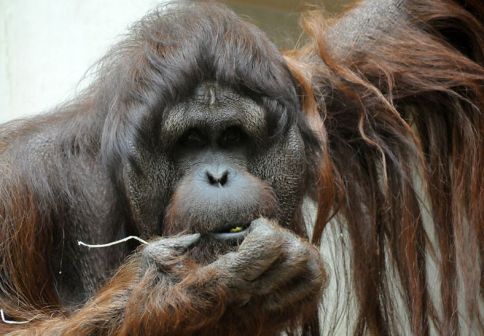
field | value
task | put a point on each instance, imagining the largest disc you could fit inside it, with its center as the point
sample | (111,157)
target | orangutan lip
(232,233)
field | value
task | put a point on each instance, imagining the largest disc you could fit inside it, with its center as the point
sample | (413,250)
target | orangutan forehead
(213,105)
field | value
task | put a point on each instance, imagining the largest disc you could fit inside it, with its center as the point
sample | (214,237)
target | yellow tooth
(236,229)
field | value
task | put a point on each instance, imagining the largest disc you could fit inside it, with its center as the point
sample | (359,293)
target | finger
(263,223)
(292,263)
(261,231)
(297,296)
(261,248)
(180,242)
(305,288)
(169,247)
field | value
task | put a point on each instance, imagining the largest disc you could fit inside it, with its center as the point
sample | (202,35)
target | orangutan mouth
(231,232)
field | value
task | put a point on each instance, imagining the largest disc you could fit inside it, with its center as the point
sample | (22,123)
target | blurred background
(47,46)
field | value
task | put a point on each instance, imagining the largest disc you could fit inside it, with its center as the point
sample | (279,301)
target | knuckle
(264,238)
(317,273)
(296,247)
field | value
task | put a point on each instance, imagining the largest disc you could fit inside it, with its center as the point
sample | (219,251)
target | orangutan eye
(232,136)
(193,138)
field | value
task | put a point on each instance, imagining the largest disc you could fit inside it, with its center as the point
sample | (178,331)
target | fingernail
(188,240)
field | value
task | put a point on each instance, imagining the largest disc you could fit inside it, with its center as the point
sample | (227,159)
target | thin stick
(11,322)
(112,243)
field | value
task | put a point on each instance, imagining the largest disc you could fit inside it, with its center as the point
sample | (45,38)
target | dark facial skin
(222,168)
(216,133)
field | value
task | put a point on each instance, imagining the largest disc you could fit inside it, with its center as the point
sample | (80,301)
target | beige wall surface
(46,47)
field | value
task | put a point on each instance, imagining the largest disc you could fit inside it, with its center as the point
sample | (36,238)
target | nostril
(211,179)
(224,178)
(218,178)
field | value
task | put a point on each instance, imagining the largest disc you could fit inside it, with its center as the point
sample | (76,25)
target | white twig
(4,320)
(112,243)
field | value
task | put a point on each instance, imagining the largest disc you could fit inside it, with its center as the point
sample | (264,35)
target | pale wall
(46,46)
